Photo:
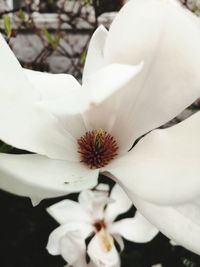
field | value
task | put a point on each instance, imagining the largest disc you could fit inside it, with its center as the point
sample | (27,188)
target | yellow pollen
(106,240)
(99,137)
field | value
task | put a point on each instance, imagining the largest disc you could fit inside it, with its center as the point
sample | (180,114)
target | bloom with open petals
(80,131)
(89,218)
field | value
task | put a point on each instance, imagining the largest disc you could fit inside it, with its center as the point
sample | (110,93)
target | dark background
(24,232)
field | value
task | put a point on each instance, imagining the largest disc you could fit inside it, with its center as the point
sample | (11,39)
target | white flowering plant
(94,216)
(134,81)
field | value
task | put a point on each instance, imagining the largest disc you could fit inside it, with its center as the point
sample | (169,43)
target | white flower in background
(79,132)
(93,216)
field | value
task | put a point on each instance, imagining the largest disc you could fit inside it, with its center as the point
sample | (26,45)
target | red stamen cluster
(97,148)
(99,225)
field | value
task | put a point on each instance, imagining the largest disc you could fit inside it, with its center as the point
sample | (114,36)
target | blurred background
(53,36)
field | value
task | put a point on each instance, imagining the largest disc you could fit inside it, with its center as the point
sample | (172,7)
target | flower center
(106,240)
(97,148)
(99,224)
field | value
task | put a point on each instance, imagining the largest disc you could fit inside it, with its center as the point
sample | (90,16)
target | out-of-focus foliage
(7,26)
(61,28)
(193,5)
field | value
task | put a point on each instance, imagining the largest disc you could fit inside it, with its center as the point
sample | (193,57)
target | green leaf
(7,26)
(52,40)
(88,2)
(22,15)
(57,40)
(49,37)
(5,148)
(83,57)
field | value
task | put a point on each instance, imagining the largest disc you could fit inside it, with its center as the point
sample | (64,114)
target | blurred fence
(53,35)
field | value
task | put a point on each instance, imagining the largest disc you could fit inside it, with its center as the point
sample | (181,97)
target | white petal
(173,243)
(52,86)
(28,127)
(108,80)
(164,166)
(119,240)
(23,124)
(120,203)
(136,229)
(97,97)
(73,249)
(101,257)
(39,177)
(96,88)
(103,89)
(94,202)
(53,245)
(35,201)
(180,223)
(95,54)
(103,187)
(13,76)
(67,211)
(170,80)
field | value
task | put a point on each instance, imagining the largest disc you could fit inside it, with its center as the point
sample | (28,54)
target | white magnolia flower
(78,132)
(90,218)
